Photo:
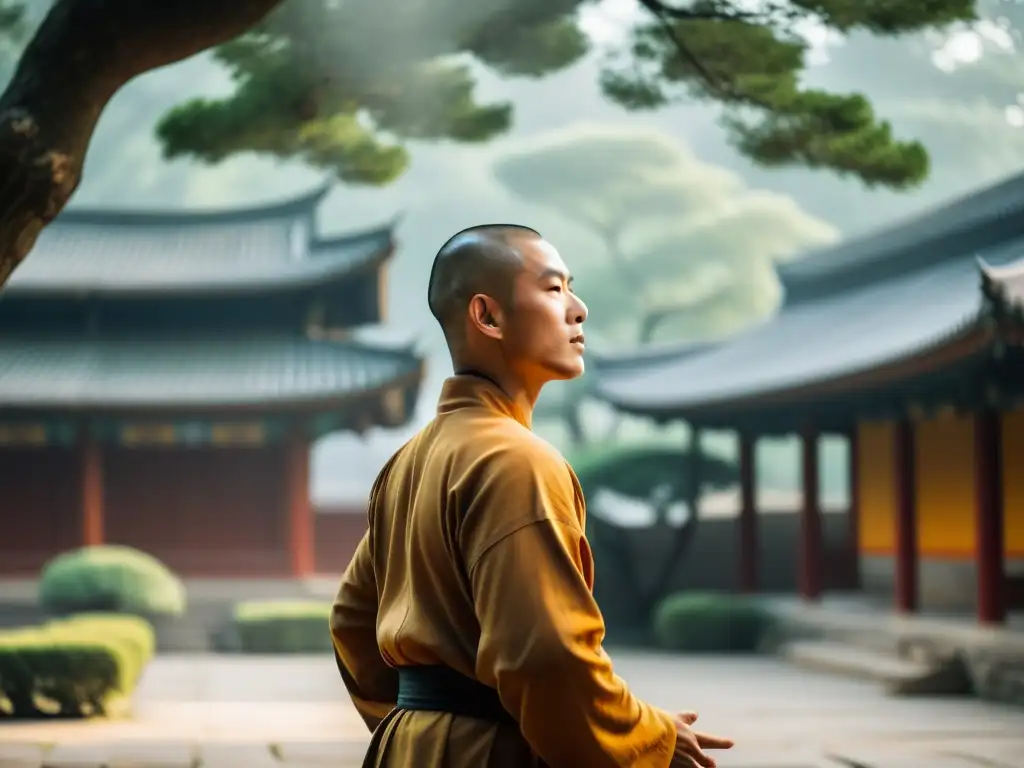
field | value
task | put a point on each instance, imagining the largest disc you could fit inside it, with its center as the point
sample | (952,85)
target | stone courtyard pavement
(256,712)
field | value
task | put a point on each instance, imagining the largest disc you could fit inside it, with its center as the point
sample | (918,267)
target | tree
(659,478)
(688,251)
(342,85)
(79,57)
(959,90)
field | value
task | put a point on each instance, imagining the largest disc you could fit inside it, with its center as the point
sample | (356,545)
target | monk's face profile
(541,334)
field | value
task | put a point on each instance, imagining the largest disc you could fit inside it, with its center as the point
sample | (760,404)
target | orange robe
(476,559)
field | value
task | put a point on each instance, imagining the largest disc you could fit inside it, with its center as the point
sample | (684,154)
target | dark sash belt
(442,689)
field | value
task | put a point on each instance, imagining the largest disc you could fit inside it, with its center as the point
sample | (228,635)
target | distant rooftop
(94,251)
(975,222)
(204,372)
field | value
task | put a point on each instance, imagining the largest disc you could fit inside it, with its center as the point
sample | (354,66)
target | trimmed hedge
(110,579)
(711,623)
(73,667)
(283,626)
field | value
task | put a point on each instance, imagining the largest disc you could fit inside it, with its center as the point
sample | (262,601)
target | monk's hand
(690,744)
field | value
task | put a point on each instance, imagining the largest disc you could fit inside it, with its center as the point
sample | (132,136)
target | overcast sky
(975,131)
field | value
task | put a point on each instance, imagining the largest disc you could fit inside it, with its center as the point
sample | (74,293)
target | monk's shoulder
(528,467)
(517,448)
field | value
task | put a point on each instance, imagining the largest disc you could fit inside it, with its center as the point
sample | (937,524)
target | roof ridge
(985,216)
(305,202)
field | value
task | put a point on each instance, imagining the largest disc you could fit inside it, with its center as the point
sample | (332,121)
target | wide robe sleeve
(541,631)
(371,683)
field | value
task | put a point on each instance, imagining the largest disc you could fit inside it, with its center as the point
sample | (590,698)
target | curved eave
(649,355)
(305,203)
(408,381)
(967,342)
(317,271)
(977,221)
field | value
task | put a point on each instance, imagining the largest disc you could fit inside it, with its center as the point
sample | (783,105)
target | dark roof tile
(812,342)
(217,371)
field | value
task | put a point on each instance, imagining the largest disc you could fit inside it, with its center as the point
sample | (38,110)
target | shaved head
(479,260)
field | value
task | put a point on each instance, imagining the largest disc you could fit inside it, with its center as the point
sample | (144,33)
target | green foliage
(710,623)
(752,63)
(74,667)
(110,579)
(286,626)
(342,86)
(636,470)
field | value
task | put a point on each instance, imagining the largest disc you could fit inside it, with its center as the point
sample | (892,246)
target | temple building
(164,374)
(909,342)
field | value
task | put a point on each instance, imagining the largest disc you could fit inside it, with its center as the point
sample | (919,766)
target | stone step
(901,676)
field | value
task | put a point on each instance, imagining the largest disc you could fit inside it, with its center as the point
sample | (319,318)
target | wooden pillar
(90,458)
(298,506)
(853,515)
(811,543)
(988,478)
(748,543)
(905,475)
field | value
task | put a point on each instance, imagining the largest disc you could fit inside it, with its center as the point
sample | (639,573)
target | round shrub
(283,626)
(710,623)
(110,579)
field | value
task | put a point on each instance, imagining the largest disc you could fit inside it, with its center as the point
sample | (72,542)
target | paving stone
(77,756)
(759,757)
(21,755)
(237,756)
(998,753)
(130,754)
(322,753)
(873,757)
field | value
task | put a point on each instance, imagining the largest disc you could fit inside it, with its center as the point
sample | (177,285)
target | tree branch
(662,9)
(667,16)
(81,55)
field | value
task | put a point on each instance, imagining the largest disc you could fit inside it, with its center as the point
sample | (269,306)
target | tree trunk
(81,55)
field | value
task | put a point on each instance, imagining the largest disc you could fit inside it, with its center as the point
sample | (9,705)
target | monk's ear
(485,315)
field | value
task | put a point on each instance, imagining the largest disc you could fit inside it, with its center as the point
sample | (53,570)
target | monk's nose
(578,314)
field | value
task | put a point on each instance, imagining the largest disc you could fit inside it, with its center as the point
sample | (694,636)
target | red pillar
(906,518)
(91,478)
(299,508)
(988,478)
(811,544)
(853,518)
(748,560)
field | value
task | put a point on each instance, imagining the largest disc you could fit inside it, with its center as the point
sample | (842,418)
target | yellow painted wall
(875,488)
(944,459)
(945,486)
(1013,482)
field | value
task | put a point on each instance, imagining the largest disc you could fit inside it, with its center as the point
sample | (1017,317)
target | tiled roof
(813,342)
(982,219)
(109,252)
(192,372)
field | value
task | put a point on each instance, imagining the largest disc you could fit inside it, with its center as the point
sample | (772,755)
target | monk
(465,628)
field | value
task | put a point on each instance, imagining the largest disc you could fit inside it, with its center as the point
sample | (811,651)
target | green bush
(288,626)
(110,579)
(73,667)
(710,623)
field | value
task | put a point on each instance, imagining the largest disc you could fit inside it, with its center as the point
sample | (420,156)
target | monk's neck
(522,396)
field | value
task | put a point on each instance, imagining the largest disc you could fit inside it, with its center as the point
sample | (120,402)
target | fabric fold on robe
(475,557)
